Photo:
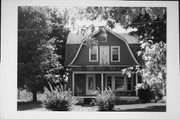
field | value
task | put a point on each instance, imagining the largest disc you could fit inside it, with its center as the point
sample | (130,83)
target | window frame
(112,53)
(90,60)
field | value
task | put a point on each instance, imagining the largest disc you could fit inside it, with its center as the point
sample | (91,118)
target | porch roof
(98,68)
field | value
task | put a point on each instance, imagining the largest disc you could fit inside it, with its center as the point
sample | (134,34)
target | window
(115,53)
(119,83)
(115,82)
(93,54)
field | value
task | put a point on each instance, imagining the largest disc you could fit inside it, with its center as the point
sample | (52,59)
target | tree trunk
(34,95)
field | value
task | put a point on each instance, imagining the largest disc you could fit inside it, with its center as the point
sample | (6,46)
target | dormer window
(115,53)
(93,54)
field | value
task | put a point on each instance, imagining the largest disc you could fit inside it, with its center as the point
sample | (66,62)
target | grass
(25,104)
(146,107)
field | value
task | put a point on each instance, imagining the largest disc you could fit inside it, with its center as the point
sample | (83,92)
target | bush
(145,95)
(105,100)
(148,93)
(58,100)
(24,95)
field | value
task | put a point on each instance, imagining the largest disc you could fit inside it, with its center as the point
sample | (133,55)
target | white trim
(77,52)
(102,83)
(125,42)
(136,83)
(73,83)
(97,49)
(118,54)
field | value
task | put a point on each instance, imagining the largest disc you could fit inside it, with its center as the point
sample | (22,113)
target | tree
(148,28)
(59,34)
(152,34)
(153,69)
(37,61)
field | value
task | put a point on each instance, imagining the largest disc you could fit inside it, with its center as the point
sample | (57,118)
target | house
(100,67)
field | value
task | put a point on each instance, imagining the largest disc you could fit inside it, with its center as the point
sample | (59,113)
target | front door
(104,55)
(90,84)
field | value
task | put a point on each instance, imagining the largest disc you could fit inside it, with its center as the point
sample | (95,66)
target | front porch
(85,84)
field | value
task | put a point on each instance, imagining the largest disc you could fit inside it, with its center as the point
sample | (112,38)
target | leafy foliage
(58,100)
(31,48)
(59,34)
(148,28)
(105,100)
(37,59)
(154,67)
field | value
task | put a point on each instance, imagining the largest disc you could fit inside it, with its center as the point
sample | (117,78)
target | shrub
(105,100)
(157,90)
(24,95)
(58,100)
(157,94)
(148,93)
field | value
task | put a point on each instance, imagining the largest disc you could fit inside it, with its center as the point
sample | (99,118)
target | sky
(73,11)
(118,28)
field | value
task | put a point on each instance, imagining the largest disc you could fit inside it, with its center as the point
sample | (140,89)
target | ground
(27,105)
(149,107)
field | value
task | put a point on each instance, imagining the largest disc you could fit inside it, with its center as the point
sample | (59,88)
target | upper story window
(93,54)
(115,53)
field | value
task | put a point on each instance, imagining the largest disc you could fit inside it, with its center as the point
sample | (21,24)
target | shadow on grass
(23,106)
(159,108)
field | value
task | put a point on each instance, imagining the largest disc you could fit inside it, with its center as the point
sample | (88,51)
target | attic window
(103,36)
(115,53)
(93,54)
(104,39)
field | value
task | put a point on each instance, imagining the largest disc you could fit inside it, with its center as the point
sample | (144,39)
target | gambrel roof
(75,43)
(75,38)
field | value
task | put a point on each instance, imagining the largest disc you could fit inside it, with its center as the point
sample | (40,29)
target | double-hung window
(115,53)
(93,54)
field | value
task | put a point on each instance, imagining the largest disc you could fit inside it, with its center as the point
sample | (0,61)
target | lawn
(24,104)
(146,107)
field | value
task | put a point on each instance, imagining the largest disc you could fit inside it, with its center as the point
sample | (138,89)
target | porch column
(73,83)
(102,82)
(136,83)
